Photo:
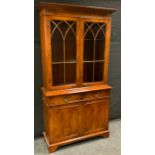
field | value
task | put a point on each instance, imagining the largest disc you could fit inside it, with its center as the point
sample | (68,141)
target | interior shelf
(91,39)
(66,62)
(93,61)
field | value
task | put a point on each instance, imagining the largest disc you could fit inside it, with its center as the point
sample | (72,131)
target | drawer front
(95,95)
(79,97)
(95,116)
(64,99)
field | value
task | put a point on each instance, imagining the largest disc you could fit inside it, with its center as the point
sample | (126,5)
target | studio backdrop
(114,61)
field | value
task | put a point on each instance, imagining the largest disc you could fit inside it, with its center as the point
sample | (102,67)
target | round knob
(66,100)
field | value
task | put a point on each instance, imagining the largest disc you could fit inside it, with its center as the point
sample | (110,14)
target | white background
(17,77)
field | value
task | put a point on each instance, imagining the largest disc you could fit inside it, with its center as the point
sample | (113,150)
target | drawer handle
(96,95)
(66,100)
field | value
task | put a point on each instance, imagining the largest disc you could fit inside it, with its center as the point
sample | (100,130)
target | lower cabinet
(76,120)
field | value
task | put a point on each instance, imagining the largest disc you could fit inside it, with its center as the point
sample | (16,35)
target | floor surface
(95,146)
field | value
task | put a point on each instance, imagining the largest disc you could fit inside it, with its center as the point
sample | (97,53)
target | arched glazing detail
(94,45)
(63,45)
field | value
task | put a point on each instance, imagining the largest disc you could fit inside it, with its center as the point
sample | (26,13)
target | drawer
(64,99)
(79,97)
(95,95)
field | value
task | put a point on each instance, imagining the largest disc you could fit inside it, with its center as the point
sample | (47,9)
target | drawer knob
(66,100)
(96,95)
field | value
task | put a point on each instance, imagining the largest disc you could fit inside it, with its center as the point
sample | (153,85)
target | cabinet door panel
(94,51)
(95,116)
(63,51)
(66,122)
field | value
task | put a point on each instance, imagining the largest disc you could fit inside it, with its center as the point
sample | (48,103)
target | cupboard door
(94,51)
(63,55)
(95,115)
(65,122)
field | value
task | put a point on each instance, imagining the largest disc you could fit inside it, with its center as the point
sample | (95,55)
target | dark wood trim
(63,8)
(74,90)
(54,147)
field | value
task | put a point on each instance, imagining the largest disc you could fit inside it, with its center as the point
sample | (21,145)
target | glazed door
(76,51)
(96,39)
(62,52)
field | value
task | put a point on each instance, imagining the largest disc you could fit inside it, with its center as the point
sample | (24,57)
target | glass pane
(57,49)
(99,50)
(88,49)
(98,76)
(100,43)
(70,72)
(58,74)
(88,72)
(88,43)
(63,44)
(63,26)
(70,44)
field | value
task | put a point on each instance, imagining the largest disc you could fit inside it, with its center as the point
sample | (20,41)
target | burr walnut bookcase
(75,44)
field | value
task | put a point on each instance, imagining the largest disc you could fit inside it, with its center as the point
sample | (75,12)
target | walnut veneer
(75,44)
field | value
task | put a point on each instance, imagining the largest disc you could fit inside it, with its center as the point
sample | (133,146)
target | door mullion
(79,46)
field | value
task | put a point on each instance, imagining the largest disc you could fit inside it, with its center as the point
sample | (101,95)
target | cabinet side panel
(45,118)
(45,49)
(42,48)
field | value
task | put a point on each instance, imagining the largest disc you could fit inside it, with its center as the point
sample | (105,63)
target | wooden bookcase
(75,44)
